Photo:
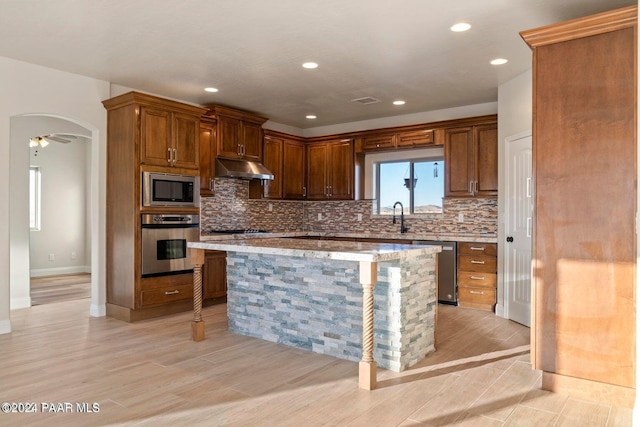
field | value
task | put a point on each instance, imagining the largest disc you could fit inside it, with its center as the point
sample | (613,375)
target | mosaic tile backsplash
(231,208)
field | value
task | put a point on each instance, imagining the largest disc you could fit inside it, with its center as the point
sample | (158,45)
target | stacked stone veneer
(231,208)
(316,305)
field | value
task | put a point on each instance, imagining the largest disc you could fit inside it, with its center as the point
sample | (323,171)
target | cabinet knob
(510,239)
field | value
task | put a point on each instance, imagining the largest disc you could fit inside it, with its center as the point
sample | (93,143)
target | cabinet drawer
(378,142)
(489,249)
(165,295)
(476,296)
(415,138)
(476,279)
(483,264)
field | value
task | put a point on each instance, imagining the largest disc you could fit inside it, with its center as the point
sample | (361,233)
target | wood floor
(52,289)
(151,374)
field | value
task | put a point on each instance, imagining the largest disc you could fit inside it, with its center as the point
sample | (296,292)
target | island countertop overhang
(320,249)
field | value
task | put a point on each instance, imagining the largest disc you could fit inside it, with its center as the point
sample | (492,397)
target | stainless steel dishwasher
(447,270)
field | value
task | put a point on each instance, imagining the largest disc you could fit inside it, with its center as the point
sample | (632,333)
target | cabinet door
(214,275)
(379,142)
(251,140)
(207,157)
(317,172)
(155,136)
(415,138)
(228,137)
(458,160)
(293,185)
(486,160)
(186,137)
(273,162)
(340,170)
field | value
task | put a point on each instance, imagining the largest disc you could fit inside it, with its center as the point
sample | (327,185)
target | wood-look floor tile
(583,413)
(523,416)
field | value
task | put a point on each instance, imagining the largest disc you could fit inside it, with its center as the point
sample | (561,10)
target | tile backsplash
(231,208)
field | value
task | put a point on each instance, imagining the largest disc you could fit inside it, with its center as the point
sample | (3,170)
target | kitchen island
(329,297)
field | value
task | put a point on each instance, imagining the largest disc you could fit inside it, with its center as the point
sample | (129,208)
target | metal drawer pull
(476,292)
(172,292)
(473,261)
(475,248)
(477,277)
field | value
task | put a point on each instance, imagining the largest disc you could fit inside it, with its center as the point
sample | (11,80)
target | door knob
(510,239)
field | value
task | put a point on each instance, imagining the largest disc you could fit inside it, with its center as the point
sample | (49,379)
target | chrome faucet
(403,229)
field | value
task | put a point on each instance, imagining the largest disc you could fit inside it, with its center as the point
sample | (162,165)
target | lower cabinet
(160,290)
(214,275)
(477,275)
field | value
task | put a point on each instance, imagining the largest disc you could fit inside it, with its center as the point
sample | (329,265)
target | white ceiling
(252,50)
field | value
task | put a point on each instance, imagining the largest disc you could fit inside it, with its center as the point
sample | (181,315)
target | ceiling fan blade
(56,139)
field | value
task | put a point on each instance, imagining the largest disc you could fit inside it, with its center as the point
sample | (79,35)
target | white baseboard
(98,310)
(41,272)
(5,326)
(500,311)
(17,303)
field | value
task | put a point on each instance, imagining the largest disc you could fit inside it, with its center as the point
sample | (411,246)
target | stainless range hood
(241,169)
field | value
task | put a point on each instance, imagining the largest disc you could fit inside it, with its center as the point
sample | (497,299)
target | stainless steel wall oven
(164,243)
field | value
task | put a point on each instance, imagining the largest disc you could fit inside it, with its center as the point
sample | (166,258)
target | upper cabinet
(330,170)
(471,159)
(208,151)
(294,173)
(412,137)
(239,133)
(272,160)
(168,138)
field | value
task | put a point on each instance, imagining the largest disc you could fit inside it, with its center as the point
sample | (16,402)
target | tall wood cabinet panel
(294,185)
(471,161)
(584,163)
(214,275)
(273,160)
(208,151)
(141,129)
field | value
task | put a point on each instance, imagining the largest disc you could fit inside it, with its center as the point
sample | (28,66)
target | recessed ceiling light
(210,89)
(398,102)
(499,61)
(311,116)
(460,27)
(310,65)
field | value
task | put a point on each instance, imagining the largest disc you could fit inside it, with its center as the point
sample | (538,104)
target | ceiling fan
(45,140)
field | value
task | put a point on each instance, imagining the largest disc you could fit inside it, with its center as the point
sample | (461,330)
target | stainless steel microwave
(166,189)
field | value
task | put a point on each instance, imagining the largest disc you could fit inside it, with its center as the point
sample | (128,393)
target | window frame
(35,198)
(412,161)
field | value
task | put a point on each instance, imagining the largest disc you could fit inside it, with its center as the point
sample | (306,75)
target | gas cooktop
(238,231)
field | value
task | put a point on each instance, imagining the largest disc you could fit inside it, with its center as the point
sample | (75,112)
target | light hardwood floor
(52,289)
(150,374)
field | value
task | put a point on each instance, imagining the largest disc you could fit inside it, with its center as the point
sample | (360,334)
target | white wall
(515,115)
(30,89)
(63,169)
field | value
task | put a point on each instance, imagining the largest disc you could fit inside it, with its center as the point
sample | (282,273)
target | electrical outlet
(270,207)
(359,217)
(319,217)
(73,255)
(460,217)
(52,257)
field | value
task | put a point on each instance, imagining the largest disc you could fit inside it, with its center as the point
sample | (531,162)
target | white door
(518,223)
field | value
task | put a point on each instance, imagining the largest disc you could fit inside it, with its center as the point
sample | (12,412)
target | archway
(21,129)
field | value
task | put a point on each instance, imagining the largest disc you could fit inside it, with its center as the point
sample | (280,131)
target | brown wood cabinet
(330,170)
(412,138)
(273,160)
(168,138)
(471,161)
(477,275)
(214,275)
(208,153)
(294,185)
(239,133)
(583,333)
(140,131)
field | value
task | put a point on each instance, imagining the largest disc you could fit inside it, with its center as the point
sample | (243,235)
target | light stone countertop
(310,248)
(443,237)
